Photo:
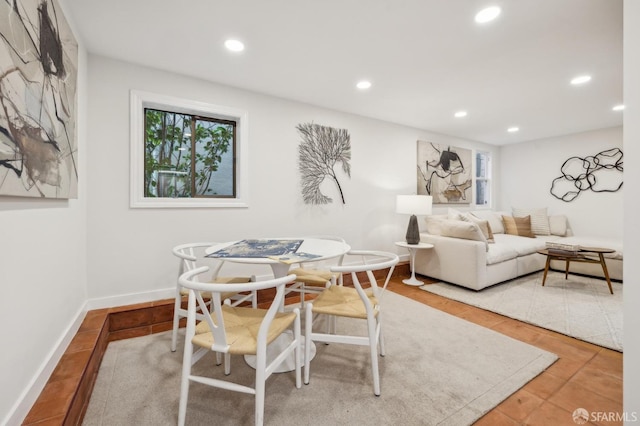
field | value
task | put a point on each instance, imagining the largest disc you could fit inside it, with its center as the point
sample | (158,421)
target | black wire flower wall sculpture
(321,148)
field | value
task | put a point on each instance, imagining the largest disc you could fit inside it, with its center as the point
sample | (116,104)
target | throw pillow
(433,223)
(484,226)
(494,219)
(463,230)
(539,219)
(518,226)
(558,225)
(454,214)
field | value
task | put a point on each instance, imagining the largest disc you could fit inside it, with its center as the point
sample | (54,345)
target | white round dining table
(324,248)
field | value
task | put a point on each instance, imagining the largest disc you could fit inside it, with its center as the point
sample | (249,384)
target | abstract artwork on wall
(444,172)
(597,173)
(38,77)
(321,148)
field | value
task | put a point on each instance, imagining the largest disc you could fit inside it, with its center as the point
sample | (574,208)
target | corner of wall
(30,394)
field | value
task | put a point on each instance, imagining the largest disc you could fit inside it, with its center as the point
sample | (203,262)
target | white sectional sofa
(463,254)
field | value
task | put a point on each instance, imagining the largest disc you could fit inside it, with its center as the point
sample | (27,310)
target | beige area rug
(438,370)
(579,306)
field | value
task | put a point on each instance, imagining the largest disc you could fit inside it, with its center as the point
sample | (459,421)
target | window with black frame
(188,156)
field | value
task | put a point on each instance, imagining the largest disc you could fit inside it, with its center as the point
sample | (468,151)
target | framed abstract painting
(444,172)
(38,80)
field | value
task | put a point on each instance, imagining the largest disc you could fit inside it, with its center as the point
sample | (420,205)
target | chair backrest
(190,253)
(370,261)
(189,280)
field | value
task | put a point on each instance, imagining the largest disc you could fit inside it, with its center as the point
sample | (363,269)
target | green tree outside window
(188,156)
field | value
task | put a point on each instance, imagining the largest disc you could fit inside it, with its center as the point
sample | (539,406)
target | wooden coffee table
(579,256)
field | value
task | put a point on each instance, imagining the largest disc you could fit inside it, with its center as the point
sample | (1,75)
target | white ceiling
(426,58)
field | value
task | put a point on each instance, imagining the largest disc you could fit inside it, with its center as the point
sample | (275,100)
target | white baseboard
(130,299)
(142,297)
(23,405)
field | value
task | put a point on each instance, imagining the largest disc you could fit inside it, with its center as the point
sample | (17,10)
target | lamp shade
(414,204)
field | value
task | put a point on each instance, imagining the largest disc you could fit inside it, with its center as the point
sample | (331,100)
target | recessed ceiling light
(363,85)
(513,129)
(581,79)
(234,45)
(618,108)
(460,114)
(487,14)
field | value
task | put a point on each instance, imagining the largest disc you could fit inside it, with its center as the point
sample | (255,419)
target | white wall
(129,249)
(631,368)
(43,275)
(530,167)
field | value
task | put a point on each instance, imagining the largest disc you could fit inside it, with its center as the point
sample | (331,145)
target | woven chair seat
(342,301)
(313,277)
(242,326)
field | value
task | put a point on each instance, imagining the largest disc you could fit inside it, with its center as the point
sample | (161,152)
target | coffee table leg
(546,269)
(606,272)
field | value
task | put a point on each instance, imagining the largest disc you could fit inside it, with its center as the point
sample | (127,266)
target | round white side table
(413,248)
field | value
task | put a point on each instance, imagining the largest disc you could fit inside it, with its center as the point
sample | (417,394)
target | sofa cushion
(434,222)
(463,230)
(500,251)
(518,226)
(454,214)
(601,242)
(484,225)
(494,219)
(558,225)
(539,219)
(522,246)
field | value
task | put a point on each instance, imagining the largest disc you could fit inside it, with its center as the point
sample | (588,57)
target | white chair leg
(227,364)
(254,294)
(261,362)
(380,335)
(298,352)
(373,349)
(308,322)
(218,358)
(259,413)
(176,320)
(331,324)
(301,292)
(184,383)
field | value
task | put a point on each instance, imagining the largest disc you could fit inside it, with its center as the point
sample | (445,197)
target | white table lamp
(413,205)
